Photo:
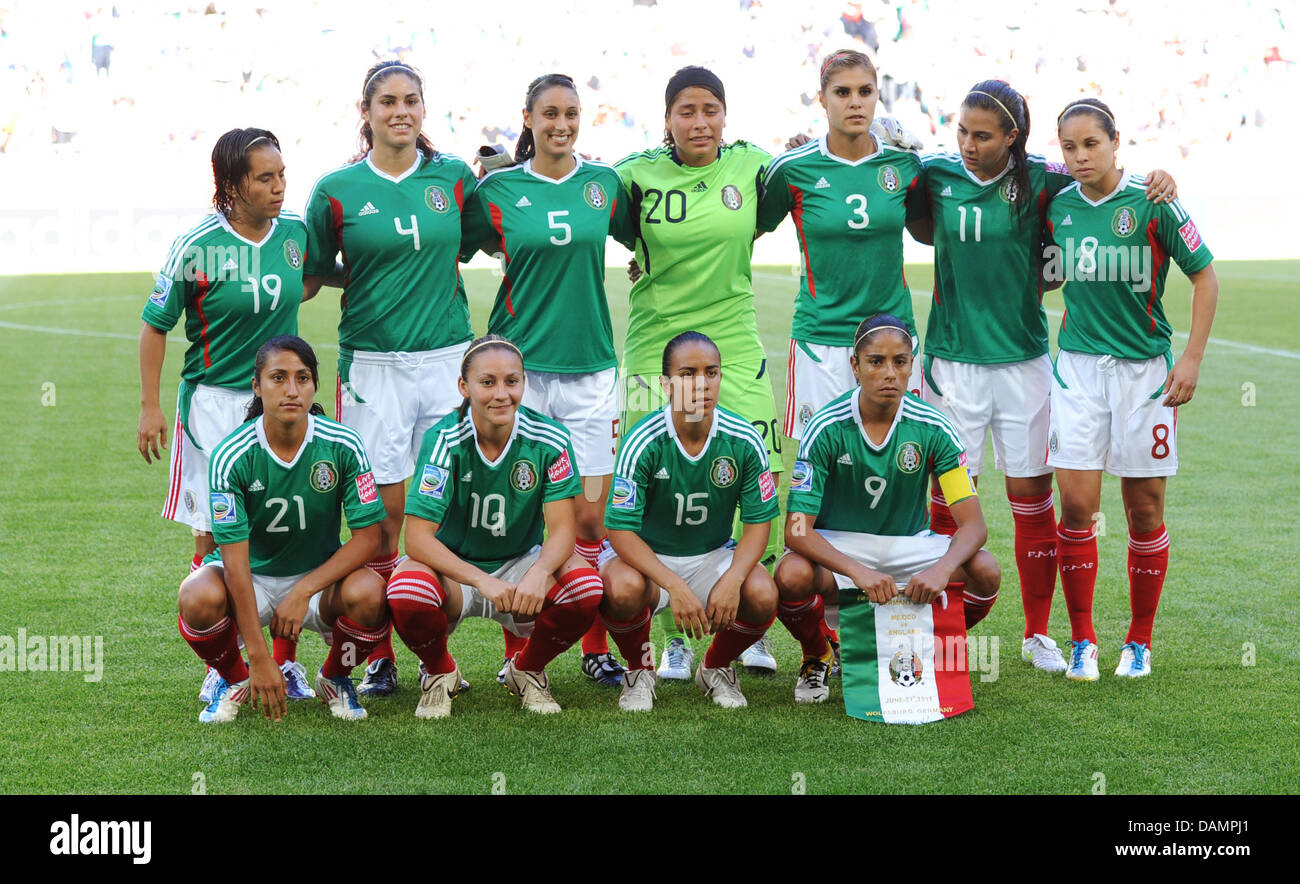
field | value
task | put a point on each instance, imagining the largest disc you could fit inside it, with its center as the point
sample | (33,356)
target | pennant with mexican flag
(903,663)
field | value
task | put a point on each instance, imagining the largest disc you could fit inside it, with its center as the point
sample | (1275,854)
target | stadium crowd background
(108,113)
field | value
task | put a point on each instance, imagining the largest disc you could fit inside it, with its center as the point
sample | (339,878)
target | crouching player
(489,478)
(277,485)
(681,472)
(858,493)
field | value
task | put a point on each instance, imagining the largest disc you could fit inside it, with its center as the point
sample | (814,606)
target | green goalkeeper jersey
(849,217)
(683,505)
(1114,256)
(694,241)
(289,512)
(400,238)
(551,237)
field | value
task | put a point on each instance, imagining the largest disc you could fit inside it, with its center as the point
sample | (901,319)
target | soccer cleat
(1044,653)
(1134,660)
(501,673)
(811,686)
(677,661)
(210,679)
(1083,661)
(721,686)
(758,656)
(226,700)
(603,669)
(380,679)
(295,681)
(340,695)
(436,693)
(532,688)
(836,669)
(638,691)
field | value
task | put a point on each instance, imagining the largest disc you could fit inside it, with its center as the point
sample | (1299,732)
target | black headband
(694,76)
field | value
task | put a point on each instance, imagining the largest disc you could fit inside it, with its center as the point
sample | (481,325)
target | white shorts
(473,604)
(588,406)
(270,591)
(1107,415)
(902,558)
(1008,398)
(392,398)
(699,572)
(211,414)
(817,373)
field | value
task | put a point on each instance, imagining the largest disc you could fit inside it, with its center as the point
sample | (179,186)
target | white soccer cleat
(759,656)
(226,700)
(677,661)
(436,693)
(210,679)
(1134,660)
(1044,653)
(811,686)
(532,688)
(1083,661)
(340,695)
(638,691)
(721,686)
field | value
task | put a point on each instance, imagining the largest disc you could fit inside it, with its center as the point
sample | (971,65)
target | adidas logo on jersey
(230,265)
(467,476)
(821,182)
(662,474)
(1066,220)
(257,486)
(699,188)
(523,203)
(845,459)
(947,191)
(368,209)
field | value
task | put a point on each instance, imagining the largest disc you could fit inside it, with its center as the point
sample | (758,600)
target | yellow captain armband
(956,485)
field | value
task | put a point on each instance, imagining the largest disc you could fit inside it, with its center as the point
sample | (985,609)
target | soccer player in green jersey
(681,474)
(986,356)
(695,202)
(850,196)
(1117,387)
(548,218)
(394,214)
(493,475)
(277,485)
(236,278)
(857,507)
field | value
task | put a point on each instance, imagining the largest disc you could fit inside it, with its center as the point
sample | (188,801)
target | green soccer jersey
(551,236)
(682,505)
(849,216)
(489,512)
(235,295)
(851,484)
(988,290)
(289,512)
(694,241)
(1114,256)
(400,238)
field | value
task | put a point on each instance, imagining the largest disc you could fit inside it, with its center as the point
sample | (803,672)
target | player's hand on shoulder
(688,613)
(797,140)
(266,687)
(151,432)
(878,587)
(1161,187)
(724,602)
(927,586)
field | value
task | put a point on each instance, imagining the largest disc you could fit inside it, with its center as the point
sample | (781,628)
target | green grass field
(83,552)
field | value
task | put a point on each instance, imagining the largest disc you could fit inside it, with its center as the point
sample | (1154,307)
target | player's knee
(363,599)
(1145,516)
(201,600)
(625,590)
(759,595)
(983,575)
(1077,513)
(795,576)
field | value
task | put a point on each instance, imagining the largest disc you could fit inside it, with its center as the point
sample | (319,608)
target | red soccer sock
(384,566)
(977,608)
(941,520)
(354,641)
(1035,519)
(217,646)
(569,609)
(807,624)
(1148,560)
(589,550)
(196,563)
(731,642)
(595,640)
(1076,554)
(632,637)
(283,650)
(514,643)
(415,599)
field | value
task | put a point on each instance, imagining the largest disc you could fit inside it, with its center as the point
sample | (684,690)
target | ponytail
(526,145)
